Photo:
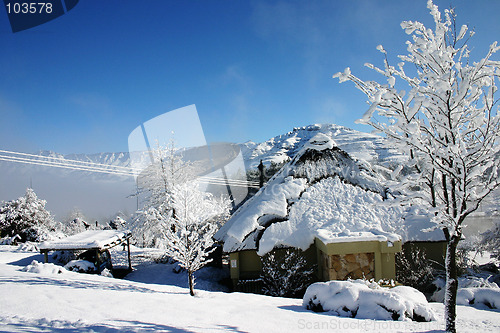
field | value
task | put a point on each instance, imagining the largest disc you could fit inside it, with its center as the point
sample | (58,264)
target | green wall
(247,264)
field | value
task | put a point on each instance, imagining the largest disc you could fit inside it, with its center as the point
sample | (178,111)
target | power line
(66,161)
(59,162)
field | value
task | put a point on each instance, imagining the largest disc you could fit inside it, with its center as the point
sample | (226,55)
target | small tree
(26,217)
(156,184)
(285,274)
(118,222)
(75,222)
(177,216)
(447,123)
(198,216)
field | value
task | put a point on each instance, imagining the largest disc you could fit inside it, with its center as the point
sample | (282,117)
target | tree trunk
(191,282)
(450,296)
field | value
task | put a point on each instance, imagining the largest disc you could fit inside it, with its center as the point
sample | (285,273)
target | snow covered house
(324,203)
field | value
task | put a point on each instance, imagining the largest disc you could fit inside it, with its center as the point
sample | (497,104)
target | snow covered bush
(80,266)
(285,273)
(414,269)
(27,217)
(480,297)
(43,268)
(364,300)
(466,282)
(10,240)
(28,247)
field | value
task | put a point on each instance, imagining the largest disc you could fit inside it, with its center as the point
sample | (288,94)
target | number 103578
(29,8)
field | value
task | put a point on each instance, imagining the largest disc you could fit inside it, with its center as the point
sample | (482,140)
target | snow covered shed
(324,203)
(96,241)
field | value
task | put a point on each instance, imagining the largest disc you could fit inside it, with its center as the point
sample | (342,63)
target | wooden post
(46,256)
(128,249)
(261,173)
(97,261)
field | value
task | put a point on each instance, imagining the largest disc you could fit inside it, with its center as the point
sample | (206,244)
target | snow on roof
(333,211)
(321,193)
(418,227)
(320,142)
(360,145)
(90,239)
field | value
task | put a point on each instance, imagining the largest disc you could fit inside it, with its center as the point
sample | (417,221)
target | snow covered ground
(153,298)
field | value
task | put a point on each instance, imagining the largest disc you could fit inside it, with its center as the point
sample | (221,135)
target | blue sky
(255,69)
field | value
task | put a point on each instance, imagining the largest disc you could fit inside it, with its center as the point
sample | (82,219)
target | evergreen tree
(26,217)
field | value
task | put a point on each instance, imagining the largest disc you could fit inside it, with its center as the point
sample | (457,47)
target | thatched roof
(321,193)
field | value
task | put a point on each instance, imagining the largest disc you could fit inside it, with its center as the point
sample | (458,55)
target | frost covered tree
(178,216)
(75,222)
(198,215)
(441,111)
(156,184)
(26,217)
(166,170)
(118,223)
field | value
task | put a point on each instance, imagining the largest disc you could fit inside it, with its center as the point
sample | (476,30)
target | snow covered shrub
(80,266)
(10,240)
(467,282)
(107,273)
(479,297)
(365,300)
(26,217)
(414,269)
(42,268)
(285,273)
(28,247)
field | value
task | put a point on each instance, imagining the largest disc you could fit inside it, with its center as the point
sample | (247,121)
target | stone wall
(344,266)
